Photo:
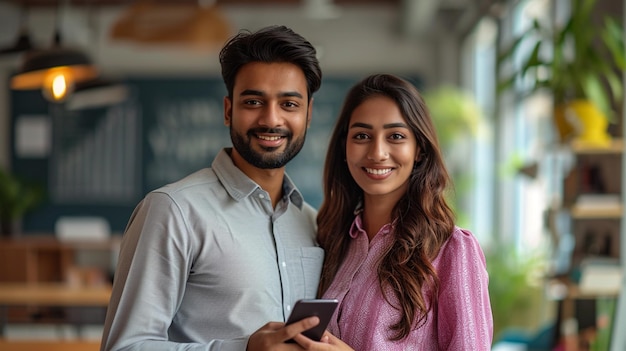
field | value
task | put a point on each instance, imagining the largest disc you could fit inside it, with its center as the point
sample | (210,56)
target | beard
(269,158)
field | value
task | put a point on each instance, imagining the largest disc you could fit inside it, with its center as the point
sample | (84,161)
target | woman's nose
(378,151)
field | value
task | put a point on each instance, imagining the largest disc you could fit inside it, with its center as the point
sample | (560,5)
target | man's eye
(252,102)
(290,104)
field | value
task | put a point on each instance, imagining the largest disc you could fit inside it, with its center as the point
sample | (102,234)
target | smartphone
(322,308)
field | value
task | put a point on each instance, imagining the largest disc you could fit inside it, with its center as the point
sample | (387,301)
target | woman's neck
(376,213)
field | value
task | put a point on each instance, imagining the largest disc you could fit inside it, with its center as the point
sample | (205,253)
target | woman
(406,277)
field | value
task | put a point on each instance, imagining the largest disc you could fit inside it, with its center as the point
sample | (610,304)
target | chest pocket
(304,270)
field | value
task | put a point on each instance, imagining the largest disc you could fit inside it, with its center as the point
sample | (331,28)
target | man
(208,260)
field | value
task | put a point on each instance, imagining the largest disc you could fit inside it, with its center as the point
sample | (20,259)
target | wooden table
(50,294)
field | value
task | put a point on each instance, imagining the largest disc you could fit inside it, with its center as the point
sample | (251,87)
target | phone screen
(322,308)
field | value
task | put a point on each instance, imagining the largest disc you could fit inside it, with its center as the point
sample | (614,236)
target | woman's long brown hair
(423,219)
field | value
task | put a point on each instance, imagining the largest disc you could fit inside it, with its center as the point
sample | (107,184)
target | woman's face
(380,148)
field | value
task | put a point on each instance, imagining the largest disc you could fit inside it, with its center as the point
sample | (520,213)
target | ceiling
(457,15)
(420,34)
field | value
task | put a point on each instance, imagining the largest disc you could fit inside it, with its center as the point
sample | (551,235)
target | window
(509,198)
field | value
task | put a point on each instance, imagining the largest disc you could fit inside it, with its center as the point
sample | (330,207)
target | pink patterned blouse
(462,321)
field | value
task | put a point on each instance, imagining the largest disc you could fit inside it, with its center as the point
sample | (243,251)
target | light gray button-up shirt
(207,260)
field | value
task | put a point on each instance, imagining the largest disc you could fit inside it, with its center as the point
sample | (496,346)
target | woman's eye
(360,136)
(397,136)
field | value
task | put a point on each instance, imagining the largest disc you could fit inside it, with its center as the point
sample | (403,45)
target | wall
(362,40)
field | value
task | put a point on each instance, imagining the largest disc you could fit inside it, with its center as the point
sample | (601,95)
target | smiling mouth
(269,138)
(378,171)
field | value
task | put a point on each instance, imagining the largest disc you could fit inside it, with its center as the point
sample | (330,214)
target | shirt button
(288,307)
(284,264)
(261,196)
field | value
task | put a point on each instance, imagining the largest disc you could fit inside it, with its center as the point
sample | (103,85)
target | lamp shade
(37,65)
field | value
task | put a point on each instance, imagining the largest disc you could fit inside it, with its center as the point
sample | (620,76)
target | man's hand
(272,336)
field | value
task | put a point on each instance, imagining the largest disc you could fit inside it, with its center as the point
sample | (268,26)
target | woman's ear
(417,161)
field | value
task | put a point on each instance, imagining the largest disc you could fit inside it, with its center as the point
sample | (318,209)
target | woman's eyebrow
(385,126)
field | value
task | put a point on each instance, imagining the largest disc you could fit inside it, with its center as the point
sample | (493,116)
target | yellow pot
(588,123)
(563,127)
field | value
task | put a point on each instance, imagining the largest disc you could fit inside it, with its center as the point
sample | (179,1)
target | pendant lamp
(55,71)
(23,42)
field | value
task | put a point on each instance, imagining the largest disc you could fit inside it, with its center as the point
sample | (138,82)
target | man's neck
(270,180)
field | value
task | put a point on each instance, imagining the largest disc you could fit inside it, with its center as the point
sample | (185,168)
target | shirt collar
(357,224)
(239,185)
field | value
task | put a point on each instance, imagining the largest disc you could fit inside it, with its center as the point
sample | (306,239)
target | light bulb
(58,84)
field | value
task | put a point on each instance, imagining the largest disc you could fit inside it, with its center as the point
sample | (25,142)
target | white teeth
(269,138)
(378,171)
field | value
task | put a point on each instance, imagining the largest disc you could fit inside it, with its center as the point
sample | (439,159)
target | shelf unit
(618,339)
(44,259)
(593,194)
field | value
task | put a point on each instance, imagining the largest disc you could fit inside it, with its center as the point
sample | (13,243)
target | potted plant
(17,197)
(515,289)
(457,118)
(580,63)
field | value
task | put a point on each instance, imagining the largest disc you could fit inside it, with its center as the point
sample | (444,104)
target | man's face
(268,115)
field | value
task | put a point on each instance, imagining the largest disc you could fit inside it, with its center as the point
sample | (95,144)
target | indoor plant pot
(575,61)
(17,197)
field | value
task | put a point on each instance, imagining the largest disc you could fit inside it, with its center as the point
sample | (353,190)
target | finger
(329,337)
(303,341)
(302,325)
(333,340)
(298,327)
(272,326)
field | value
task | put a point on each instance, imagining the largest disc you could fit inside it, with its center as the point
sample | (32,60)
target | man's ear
(228,111)
(309,113)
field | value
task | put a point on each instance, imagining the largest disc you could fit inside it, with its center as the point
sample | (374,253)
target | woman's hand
(329,342)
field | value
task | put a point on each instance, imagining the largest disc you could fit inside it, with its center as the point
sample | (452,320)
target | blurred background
(102,101)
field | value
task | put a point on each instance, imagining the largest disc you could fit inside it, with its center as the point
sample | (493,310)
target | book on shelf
(597,205)
(600,276)
(598,201)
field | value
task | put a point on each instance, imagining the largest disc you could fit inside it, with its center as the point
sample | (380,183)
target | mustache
(278,131)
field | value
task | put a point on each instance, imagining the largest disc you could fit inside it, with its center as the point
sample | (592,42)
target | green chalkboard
(101,161)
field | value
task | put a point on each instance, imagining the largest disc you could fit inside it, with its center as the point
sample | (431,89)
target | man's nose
(271,116)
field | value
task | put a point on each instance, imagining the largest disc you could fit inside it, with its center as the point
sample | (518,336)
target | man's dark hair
(270,44)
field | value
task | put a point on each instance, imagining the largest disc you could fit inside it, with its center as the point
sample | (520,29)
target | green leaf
(595,92)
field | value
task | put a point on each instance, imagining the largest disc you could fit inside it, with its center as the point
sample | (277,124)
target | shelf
(614,211)
(616,147)
(560,289)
